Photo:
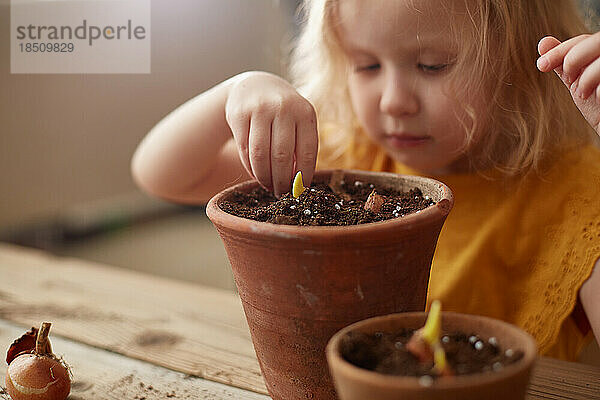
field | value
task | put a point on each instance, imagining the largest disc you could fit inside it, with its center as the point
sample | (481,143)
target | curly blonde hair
(531,115)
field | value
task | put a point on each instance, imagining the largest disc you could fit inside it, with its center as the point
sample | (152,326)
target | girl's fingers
(588,81)
(307,144)
(259,147)
(240,127)
(581,55)
(282,153)
(546,44)
(554,58)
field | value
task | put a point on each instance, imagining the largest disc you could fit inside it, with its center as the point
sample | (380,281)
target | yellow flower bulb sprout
(433,326)
(298,186)
(439,358)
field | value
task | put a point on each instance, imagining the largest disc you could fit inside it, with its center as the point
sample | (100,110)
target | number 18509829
(46,47)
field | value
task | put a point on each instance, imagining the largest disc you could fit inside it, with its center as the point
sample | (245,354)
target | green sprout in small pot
(425,343)
(431,356)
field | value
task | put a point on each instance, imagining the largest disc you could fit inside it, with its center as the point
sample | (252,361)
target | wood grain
(192,329)
(102,375)
(197,330)
(554,379)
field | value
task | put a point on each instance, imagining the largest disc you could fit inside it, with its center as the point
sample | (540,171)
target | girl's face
(400,53)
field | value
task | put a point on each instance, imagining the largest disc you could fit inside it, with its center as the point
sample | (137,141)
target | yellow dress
(519,250)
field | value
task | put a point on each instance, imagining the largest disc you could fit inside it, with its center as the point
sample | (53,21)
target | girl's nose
(398,97)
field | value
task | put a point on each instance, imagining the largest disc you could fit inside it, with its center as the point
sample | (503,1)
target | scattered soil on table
(151,390)
(131,387)
(386,353)
(337,203)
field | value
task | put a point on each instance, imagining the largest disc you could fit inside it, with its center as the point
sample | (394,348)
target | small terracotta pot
(354,383)
(299,284)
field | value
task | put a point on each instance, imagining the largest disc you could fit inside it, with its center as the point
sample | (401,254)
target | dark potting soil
(386,353)
(338,203)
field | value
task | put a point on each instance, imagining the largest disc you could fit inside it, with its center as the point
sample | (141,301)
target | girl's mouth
(403,141)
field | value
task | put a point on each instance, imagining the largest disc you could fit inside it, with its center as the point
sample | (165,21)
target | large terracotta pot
(299,285)
(354,383)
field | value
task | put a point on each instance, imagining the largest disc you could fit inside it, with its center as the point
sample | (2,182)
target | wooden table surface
(129,335)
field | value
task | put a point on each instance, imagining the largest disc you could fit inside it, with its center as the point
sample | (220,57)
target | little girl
(442,88)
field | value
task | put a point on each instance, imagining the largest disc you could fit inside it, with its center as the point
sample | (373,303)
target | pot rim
(432,213)
(529,348)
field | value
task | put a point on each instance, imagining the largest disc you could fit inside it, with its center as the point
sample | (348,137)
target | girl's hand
(577,62)
(275,130)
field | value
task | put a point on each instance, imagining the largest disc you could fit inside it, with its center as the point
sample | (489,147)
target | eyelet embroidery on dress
(560,295)
(591,231)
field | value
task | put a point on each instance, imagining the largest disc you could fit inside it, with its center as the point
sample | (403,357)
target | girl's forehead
(424,8)
(363,24)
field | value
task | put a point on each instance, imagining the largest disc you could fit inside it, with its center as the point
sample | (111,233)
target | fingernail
(573,87)
(542,63)
(578,92)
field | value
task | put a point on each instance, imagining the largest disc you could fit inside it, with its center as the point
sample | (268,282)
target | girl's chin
(400,143)
(421,163)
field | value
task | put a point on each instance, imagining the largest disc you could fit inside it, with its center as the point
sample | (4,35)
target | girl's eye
(367,68)
(433,68)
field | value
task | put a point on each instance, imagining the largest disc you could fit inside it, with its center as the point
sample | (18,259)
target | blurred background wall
(67,140)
